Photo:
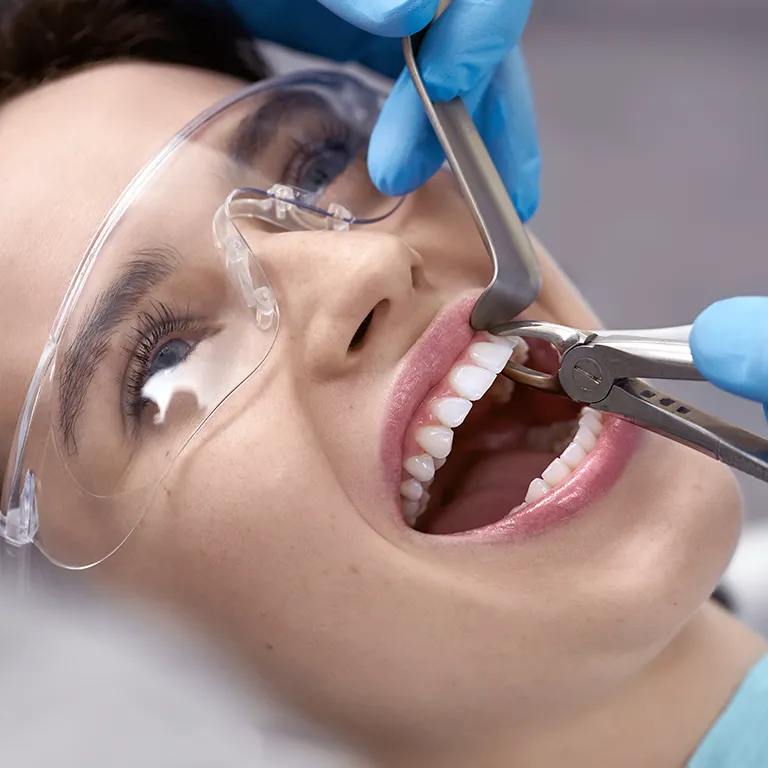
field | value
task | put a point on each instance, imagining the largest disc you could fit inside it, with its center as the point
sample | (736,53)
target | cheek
(659,546)
(246,529)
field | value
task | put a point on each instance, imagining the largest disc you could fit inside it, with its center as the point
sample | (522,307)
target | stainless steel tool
(602,369)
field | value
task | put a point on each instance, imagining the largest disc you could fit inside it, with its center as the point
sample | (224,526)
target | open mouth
(481,449)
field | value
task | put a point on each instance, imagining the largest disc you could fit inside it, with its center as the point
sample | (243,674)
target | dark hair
(42,40)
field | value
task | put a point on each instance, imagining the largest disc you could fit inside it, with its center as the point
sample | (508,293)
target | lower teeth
(577,447)
(571,441)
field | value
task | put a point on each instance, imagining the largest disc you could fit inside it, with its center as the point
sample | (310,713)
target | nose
(333,288)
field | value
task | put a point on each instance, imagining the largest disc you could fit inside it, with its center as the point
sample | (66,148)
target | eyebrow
(113,306)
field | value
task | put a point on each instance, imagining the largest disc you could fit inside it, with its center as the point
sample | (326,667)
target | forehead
(68,149)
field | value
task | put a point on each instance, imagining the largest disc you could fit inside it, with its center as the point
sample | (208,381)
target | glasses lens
(171,311)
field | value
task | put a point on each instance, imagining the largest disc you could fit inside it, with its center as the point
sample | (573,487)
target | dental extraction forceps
(600,369)
(516,279)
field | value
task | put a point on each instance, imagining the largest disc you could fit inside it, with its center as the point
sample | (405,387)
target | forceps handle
(496,218)
(636,401)
(677,333)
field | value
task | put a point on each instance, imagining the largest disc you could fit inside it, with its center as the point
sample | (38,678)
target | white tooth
(556,472)
(470,381)
(513,342)
(421,467)
(591,421)
(517,509)
(501,390)
(439,463)
(521,351)
(585,438)
(586,409)
(436,441)
(503,341)
(451,411)
(573,455)
(423,503)
(410,512)
(412,490)
(536,490)
(492,357)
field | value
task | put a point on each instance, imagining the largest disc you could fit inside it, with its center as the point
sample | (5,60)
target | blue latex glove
(471,51)
(729,342)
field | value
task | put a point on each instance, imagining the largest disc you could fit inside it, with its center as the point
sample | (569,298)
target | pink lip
(447,336)
(600,471)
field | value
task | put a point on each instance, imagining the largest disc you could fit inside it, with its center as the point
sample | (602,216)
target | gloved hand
(729,342)
(471,51)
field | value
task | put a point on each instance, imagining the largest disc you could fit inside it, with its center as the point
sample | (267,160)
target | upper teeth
(490,355)
(436,441)
(469,381)
(421,467)
(451,411)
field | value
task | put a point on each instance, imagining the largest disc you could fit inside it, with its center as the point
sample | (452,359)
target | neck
(656,719)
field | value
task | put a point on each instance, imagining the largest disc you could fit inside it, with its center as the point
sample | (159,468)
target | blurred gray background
(653,117)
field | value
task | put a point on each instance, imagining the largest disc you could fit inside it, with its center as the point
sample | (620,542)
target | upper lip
(428,362)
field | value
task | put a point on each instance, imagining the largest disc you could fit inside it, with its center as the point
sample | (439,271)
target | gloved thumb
(729,342)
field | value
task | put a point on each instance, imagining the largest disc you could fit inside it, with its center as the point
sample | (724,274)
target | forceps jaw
(561,337)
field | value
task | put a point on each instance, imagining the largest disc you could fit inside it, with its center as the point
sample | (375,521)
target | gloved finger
(729,342)
(404,151)
(506,120)
(467,42)
(389,18)
(306,25)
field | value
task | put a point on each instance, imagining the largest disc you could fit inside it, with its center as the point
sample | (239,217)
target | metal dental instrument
(600,369)
(516,279)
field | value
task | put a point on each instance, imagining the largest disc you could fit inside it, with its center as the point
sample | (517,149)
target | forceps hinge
(589,370)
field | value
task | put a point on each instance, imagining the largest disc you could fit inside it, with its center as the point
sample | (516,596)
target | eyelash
(335,134)
(153,327)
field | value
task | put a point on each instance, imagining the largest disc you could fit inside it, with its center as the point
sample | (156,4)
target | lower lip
(600,471)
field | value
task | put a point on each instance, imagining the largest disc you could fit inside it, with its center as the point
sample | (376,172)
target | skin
(594,640)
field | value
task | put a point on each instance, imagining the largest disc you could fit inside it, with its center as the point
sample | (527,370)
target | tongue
(489,490)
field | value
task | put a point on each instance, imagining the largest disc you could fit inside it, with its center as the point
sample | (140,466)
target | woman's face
(283,523)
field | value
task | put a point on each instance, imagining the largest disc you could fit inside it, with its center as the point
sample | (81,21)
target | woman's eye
(318,172)
(170,354)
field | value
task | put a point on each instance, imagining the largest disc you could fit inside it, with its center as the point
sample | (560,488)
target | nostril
(417,277)
(357,339)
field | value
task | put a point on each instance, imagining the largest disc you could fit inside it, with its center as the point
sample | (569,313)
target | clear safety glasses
(171,310)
